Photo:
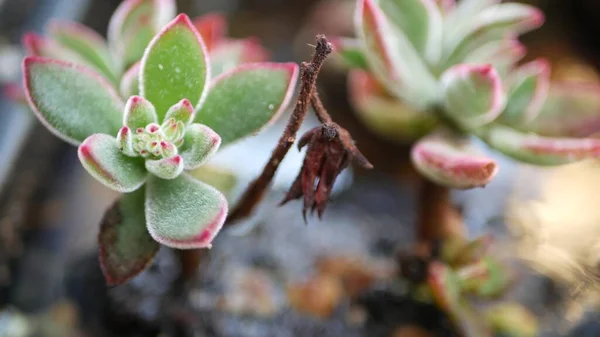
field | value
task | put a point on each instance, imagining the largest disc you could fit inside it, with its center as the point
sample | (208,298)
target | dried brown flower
(330,150)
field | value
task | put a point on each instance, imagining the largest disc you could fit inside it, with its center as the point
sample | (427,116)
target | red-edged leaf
(538,150)
(184,213)
(529,90)
(452,161)
(126,247)
(571,110)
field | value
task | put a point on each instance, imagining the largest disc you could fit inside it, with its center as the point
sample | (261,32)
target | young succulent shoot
(131,28)
(144,146)
(440,74)
(463,271)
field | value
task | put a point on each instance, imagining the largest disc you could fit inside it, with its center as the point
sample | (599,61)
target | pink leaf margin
(184,21)
(30,61)
(291,68)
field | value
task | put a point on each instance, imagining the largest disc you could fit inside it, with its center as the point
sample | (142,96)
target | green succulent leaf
(385,115)
(166,168)
(101,156)
(125,141)
(184,213)
(350,52)
(87,43)
(538,150)
(245,100)
(229,54)
(570,110)
(126,247)
(200,143)
(392,58)
(133,25)
(499,18)
(512,320)
(421,22)
(37,45)
(470,322)
(175,66)
(473,94)
(139,112)
(529,91)
(72,101)
(181,112)
(452,161)
(130,82)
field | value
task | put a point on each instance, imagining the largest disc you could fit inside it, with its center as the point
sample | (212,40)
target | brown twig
(319,109)
(256,190)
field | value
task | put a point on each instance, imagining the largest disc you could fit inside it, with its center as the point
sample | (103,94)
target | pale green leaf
(72,101)
(175,66)
(101,156)
(184,213)
(247,99)
(199,144)
(139,112)
(165,168)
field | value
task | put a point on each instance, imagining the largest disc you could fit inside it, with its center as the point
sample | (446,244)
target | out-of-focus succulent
(441,73)
(175,118)
(464,271)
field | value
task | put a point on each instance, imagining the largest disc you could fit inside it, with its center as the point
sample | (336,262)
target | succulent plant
(466,271)
(440,74)
(175,118)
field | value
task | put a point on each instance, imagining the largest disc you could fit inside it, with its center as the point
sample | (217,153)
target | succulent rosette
(440,74)
(140,132)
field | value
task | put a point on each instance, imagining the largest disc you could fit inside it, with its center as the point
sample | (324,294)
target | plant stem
(256,190)
(319,109)
(433,216)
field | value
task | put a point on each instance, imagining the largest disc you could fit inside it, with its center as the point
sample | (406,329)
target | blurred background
(284,278)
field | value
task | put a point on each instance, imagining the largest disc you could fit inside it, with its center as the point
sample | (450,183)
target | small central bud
(158,141)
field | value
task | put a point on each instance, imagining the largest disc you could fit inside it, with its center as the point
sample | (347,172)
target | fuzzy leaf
(529,90)
(125,141)
(446,6)
(538,150)
(199,144)
(392,58)
(126,247)
(175,66)
(486,278)
(130,82)
(350,52)
(385,115)
(101,156)
(571,110)
(139,112)
(87,43)
(452,161)
(37,45)
(183,111)
(212,27)
(500,18)
(421,22)
(166,168)
(464,11)
(473,95)
(502,54)
(512,320)
(228,55)
(248,98)
(133,25)
(72,101)
(444,286)
(184,213)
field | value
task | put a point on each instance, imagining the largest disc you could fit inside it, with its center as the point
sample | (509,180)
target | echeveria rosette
(440,73)
(143,147)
